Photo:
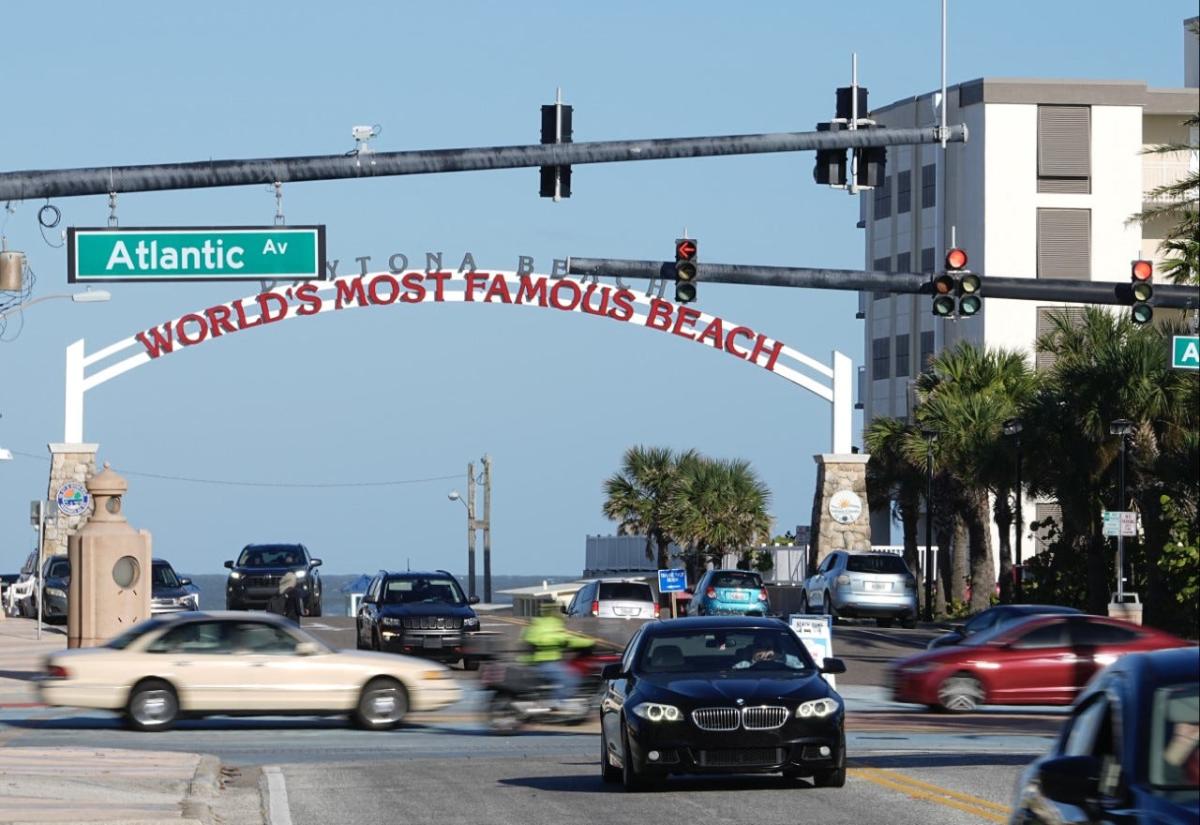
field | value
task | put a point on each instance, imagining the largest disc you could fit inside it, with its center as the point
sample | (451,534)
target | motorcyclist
(549,639)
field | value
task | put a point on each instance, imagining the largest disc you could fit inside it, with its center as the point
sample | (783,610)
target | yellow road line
(933,793)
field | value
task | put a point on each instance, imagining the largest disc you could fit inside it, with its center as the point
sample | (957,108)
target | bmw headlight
(817,709)
(654,712)
(390,622)
(233,574)
(472,621)
(55,592)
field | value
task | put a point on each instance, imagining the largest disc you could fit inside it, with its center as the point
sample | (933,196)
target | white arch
(316,297)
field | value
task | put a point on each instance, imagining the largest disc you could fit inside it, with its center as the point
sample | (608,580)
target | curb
(202,792)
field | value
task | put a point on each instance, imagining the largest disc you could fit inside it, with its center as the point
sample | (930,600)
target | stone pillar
(841,515)
(68,462)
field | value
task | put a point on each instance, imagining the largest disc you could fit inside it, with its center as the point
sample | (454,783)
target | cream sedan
(237,663)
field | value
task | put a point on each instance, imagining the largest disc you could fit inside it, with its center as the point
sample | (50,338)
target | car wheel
(631,779)
(960,693)
(883,622)
(835,778)
(830,609)
(358,639)
(470,664)
(502,715)
(152,706)
(908,622)
(382,704)
(315,610)
(803,602)
(232,605)
(609,772)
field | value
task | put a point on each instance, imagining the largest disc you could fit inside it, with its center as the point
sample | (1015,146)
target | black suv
(254,577)
(422,614)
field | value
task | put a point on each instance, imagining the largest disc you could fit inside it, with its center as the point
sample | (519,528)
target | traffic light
(685,270)
(830,169)
(957,291)
(1141,289)
(870,165)
(556,128)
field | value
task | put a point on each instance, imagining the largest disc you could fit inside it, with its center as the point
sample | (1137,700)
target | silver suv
(619,599)
(867,585)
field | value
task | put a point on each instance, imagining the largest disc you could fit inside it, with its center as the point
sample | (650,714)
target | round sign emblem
(845,506)
(73,499)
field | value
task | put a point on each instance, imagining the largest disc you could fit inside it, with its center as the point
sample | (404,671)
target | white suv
(614,599)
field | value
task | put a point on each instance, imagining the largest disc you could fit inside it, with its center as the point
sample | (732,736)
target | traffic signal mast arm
(62,183)
(910,283)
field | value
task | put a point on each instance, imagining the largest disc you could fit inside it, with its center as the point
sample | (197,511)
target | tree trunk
(943,539)
(983,568)
(1004,520)
(910,512)
(958,565)
(1160,606)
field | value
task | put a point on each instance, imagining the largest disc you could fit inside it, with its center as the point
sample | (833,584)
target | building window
(883,199)
(926,350)
(1064,243)
(903,192)
(903,262)
(928,186)
(927,260)
(901,356)
(1044,359)
(1064,149)
(882,265)
(881,358)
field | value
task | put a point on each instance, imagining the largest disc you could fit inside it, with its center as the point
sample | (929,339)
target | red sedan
(1043,660)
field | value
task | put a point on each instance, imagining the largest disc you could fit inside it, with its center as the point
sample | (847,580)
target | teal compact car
(730,593)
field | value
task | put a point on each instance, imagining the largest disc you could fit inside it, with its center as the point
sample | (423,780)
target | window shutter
(1064,148)
(1064,243)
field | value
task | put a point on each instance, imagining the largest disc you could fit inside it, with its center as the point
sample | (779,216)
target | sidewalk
(22,658)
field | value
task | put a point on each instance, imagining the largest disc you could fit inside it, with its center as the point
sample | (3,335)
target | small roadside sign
(816,631)
(1185,352)
(1120,523)
(217,253)
(672,581)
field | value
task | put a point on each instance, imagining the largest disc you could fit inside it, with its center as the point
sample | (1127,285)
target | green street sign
(1185,352)
(216,253)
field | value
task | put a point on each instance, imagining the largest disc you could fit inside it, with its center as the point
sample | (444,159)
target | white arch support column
(843,403)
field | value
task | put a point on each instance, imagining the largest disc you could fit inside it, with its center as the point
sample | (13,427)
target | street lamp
(469,503)
(930,437)
(1013,427)
(1121,427)
(88,296)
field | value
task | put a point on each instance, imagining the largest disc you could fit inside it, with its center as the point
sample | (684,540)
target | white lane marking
(277,801)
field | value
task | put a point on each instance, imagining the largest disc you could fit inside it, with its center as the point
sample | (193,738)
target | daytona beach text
(379,289)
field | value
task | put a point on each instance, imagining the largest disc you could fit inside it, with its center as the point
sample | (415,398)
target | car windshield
(425,590)
(270,556)
(59,569)
(758,651)
(736,579)
(626,591)
(163,575)
(134,633)
(876,564)
(1175,738)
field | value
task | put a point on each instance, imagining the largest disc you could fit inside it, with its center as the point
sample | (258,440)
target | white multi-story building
(1043,188)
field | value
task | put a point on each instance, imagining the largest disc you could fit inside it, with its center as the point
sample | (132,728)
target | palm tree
(637,496)
(966,396)
(892,475)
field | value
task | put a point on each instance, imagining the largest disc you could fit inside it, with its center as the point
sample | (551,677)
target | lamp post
(930,437)
(1013,427)
(473,524)
(1121,427)
(88,296)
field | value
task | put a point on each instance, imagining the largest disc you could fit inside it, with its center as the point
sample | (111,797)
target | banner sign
(672,581)
(816,631)
(219,253)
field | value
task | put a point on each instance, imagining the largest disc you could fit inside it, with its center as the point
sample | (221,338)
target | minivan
(614,599)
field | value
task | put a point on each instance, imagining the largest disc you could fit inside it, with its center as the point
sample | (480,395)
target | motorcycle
(519,694)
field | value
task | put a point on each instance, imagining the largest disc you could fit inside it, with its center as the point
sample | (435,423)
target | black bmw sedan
(720,694)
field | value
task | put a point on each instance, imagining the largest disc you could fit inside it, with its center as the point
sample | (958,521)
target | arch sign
(563,294)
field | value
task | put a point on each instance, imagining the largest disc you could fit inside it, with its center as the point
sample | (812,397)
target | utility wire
(276,484)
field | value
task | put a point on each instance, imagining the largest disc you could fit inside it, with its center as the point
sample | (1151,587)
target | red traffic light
(685,249)
(943,285)
(956,259)
(1141,270)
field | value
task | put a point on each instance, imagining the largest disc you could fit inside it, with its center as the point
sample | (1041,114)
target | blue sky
(398,393)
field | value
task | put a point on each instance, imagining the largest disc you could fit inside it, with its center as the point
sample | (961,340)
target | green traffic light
(1142,313)
(685,292)
(943,306)
(969,305)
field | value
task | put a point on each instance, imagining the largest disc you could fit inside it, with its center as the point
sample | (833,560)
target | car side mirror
(1071,780)
(307,649)
(473,600)
(229,564)
(611,671)
(316,562)
(833,666)
(185,582)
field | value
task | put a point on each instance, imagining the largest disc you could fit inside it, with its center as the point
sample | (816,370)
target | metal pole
(38,594)
(470,528)
(487,528)
(929,531)
(1020,527)
(62,183)
(1121,530)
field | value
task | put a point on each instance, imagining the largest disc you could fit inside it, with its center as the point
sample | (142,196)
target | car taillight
(711,592)
(57,672)
(910,584)
(595,608)
(843,579)
(657,610)
(762,594)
